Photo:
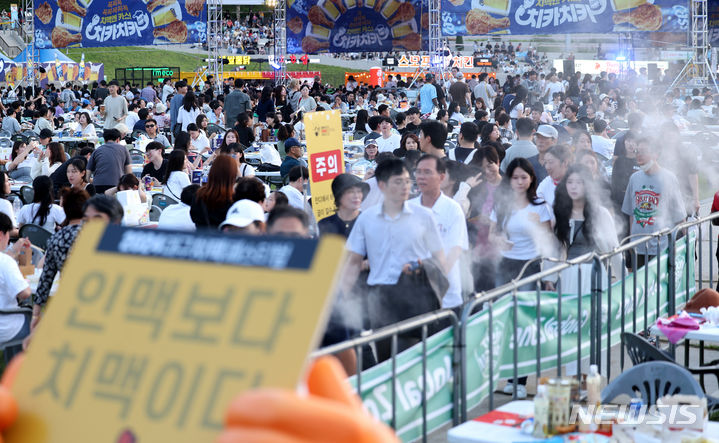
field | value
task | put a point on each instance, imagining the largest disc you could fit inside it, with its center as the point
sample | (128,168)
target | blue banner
(479,17)
(88,23)
(356,26)
(714,24)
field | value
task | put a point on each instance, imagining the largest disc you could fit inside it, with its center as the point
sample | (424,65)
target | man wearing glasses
(151,129)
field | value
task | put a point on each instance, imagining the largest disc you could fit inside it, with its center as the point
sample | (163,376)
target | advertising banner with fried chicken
(88,23)
(356,26)
(477,17)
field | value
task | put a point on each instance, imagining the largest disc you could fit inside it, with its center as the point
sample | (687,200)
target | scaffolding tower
(436,49)
(697,73)
(279,43)
(215,66)
(27,28)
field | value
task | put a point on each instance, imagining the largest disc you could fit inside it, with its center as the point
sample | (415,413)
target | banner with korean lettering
(326,158)
(150,336)
(88,23)
(713,23)
(356,26)
(478,17)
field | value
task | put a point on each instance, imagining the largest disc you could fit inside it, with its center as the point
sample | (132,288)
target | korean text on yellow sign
(325,152)
(152,333)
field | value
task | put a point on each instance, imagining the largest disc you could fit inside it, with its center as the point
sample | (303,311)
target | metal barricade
(392,332)
(619,297)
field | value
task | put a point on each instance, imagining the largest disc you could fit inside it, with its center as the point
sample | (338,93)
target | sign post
(152,333)
(325,152)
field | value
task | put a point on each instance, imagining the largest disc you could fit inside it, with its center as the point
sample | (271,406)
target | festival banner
(13,73)
(325,157)
(555,338)
(478,17)
(88,23)
(713,23)
(356,26)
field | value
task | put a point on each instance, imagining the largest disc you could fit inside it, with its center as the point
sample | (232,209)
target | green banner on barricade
(377,384)
(377,387)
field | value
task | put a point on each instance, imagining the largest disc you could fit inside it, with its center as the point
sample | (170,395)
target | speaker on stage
(652,72)
(568,67)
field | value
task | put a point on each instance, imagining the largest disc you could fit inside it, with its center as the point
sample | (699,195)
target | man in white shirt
(387,141)
(115,107)
(177,217)
(601,144)
(294,190)
(484,91)
(397,238)
(13,287)
(132,116)
(449,217)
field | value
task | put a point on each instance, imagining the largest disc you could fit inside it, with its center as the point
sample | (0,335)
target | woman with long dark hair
(51,158)
(265,105)
(409,142)
(214,198)
(42,211)
(516,106)
(522,221)
(285,133)
(490,133)
(245,134)
(189,110)
(176,177)
(361,127)
(5,205)
(521,227)
(582,225)
(22,161)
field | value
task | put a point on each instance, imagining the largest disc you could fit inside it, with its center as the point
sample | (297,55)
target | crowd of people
(462,182)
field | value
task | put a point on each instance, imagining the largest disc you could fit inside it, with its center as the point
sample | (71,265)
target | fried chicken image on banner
(44,13)
(311,45)
(154,4)
(317,17)
(645,17)
(404,12)
(72,6)
(295,25)
(176,32)
(194,7)
(479,22)
(410,42)
(61,37)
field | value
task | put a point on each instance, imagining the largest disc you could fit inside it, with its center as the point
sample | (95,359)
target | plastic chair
(162,201)
(213,129)
(453,122)
(641,351)
(37,235)
(651,381)
(155,213)
(27,312)
(137,157)
(27,193)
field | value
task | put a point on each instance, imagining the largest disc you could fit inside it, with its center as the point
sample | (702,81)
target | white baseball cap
(547,131)
(243,213)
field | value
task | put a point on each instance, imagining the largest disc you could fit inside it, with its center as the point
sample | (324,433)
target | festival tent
(45,56)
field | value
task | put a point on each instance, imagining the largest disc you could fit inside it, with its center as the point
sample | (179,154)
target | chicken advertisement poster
(477,17)
(356,26)
(88,23)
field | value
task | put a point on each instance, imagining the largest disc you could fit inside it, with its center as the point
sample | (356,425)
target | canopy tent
(44,56)
(5,58)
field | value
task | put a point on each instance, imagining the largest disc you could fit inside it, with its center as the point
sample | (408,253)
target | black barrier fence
(509,332)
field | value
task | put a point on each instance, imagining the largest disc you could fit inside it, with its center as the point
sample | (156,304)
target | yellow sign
(238,59)
(325,152)
(152,333)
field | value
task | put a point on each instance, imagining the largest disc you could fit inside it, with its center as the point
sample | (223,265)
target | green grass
(127,57)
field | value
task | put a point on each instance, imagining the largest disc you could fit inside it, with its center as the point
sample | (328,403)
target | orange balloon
(8,408)
(11,371)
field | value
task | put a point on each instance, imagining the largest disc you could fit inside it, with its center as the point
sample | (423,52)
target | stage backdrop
(13,73)
(476,17)
(89,23)
(356,26)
